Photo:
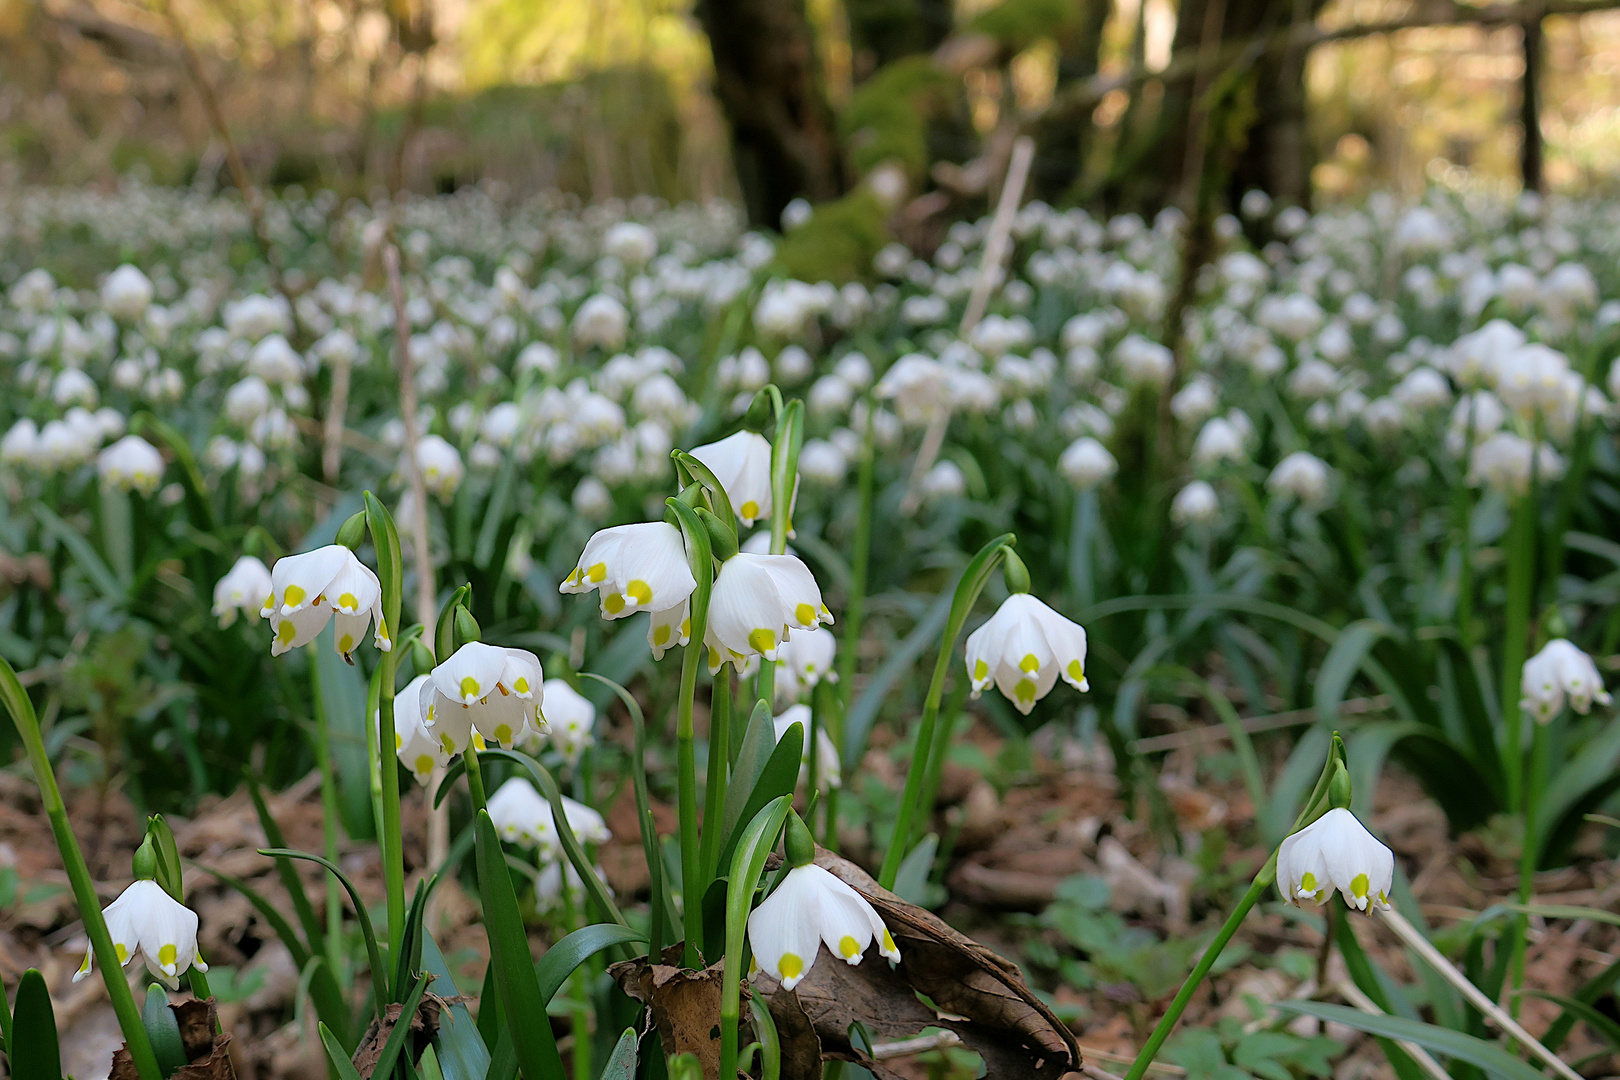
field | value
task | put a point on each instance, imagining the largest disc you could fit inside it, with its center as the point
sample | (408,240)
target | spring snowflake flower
(309,590)
(414,743)
(240,590)
(569,717)
(1336,852)
(1194,504)
(804,660)
(742,464)
(127,293)
(1087,463)
(497,692)
(1560,671)
(131,464)
(829,770)
(631,243)
(440,463)
(147,920)
(522,815)
(601,320)
(758,600)
(811,907)
(637,568)
(1023,648)
(1301,475)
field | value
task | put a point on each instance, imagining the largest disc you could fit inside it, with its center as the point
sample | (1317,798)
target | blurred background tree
(766,101)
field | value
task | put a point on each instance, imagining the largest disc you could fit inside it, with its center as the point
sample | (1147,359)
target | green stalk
(475,780)
(714,796)
(968,588)
(1529,854)
(939,751)
(1520,581)
(1463,515)
(755,843)
(693,885)
(1167,1022)
(854,611)
(329,821)
(390,574)
(580,1012)
(84,886)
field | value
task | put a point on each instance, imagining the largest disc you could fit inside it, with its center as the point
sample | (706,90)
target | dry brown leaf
(208,1052)
(424,1026)
(684,1004)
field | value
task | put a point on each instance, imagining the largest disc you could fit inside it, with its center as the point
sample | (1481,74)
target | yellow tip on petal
(848,947)
(791,966)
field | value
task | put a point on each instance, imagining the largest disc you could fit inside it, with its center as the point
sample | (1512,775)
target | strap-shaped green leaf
(621,1065)
(644,817)
(559,961)
(396,1038)
(462,1053)
(1454,1044)
(163,1030)
(523,1009)
(779,777)
(337,1055)
(37,1057)
(314,932)
(379,973)
(409,961)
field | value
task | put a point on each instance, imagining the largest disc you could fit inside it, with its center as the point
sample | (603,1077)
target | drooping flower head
(1023,649)
(636,567)
(241,590)
(484,688)
(309,590)
(147,920)
(1558,672)
(758,600)
(742,464)
(1336,852)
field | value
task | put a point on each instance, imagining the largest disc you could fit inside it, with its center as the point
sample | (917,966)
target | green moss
(1018,24)
(839,242)
(887,118)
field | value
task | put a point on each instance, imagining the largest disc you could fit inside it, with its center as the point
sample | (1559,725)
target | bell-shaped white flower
(441,467)
(127,292)
(522,815)
(495,691)
(570,718)
(742,464)
(758,600)
(1194,504)
(809,908)
(1558,672)
(309,590)
(637,568)
(241,590)
(669,628)
(418,748)
(1336,852)
(803,660)
(1087,463)
(1023,648)
(147,920)
(1302,475)
(829,770)
(131,464)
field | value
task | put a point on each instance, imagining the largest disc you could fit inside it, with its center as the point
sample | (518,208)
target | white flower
(496,691)
(742,464)
(637,568)
(309,590)
(810,907)
(803,660)
(1506,462)
(147,920)
(1559,670)
(131,464)
(569,717)
(247,400)
(1220,439)
(522,815)
(441,466)
(1335,852)
(920,387)
(74,387)
(1195,503)
(601,320)
(758,600)
(1087,463)
(1023,648)
(829,771)
(823,463)
(241,590)
(1143,362)
(631,243)
(1301,475)
(126,293)
(1196,401)
(415,745)
(21,443)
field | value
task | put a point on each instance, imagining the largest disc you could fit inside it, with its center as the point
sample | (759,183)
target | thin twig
(337,408)
(995,244)
(1352,993)
(1178,740)
(1161,1067)
(922,1044)
(1414,940)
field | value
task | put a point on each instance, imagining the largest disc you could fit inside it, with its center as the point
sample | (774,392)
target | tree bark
(1530,153)
(768,81)
(1065,140)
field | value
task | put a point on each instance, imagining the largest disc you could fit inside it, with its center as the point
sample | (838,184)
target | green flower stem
(329,821)
(1529,856)
(755,843)
(854,611)
(393,843)
(693,884)
(968,588)
(1167,1022)
(1520,581)
(714,796)
(475,780)
(1462,508)
(84,886)
(940,750)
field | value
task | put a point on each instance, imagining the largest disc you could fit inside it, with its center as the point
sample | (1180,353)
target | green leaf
(337,1055)
(84,556)
(314,932)
(390,561)
(1343,660)
(430,1065)
(163,1030)
(37,1057)
(444,633)
(1600,1024)
(559,961)
(758,743)
(463,1054)
(911,882)
(396,1038)
(622,1064)
(379,973)
(1453,1044)
(779,777)
(342,700)
(516,984)
(409,961)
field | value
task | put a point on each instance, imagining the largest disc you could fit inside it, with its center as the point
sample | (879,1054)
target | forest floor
(1018,848)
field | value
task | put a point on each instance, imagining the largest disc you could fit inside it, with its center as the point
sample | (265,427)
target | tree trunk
(768,82)
(1065,140)
(1530,158)
(883,31)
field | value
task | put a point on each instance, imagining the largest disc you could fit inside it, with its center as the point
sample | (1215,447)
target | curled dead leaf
(208,1051)
(424,1026)
(685,1005)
